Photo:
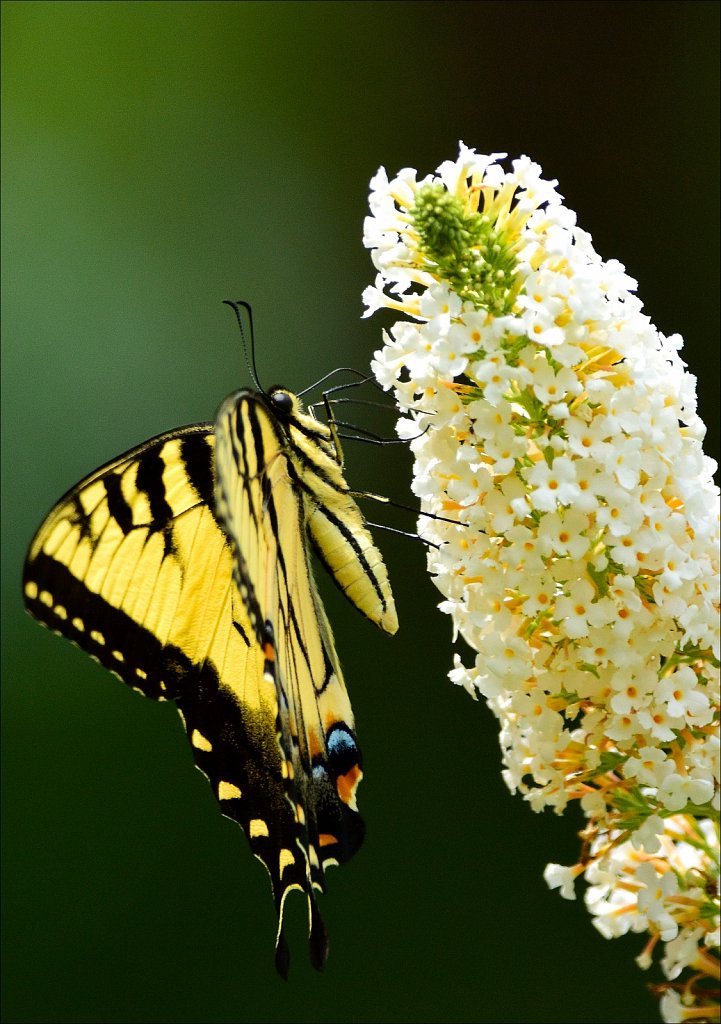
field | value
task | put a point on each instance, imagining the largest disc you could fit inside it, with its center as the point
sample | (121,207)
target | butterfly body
(183,567)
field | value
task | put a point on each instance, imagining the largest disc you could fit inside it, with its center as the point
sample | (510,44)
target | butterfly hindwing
(262,508)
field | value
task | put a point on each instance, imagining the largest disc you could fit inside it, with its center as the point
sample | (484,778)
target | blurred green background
(158,158)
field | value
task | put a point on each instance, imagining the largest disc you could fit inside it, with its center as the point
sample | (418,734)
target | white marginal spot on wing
(257,827)
(31,590)
(285,860)
(227,791)
(199,741)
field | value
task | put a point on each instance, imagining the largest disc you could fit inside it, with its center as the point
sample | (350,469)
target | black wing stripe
(80,519)
(248,473)
(249,596)
(118,507)
(328,675)
(197,455)
(272,513)
(238,626)
(146,661)
(149,480)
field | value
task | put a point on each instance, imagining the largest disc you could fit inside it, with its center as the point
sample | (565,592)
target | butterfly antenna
(383,500)
(364,378)
(366,435)
(249,358)
(405,533)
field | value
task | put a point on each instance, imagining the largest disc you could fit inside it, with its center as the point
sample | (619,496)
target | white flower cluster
(671,892)
(550,418)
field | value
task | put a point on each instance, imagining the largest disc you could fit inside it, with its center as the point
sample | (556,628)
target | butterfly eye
(283,402)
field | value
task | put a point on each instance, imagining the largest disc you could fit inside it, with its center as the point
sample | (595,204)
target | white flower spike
(550,418)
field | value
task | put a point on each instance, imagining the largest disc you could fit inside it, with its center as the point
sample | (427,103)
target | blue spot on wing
(342,749)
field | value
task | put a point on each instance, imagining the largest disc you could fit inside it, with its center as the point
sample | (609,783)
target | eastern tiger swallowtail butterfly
(183,567)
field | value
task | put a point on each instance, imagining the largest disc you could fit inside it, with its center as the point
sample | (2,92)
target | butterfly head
(285,404)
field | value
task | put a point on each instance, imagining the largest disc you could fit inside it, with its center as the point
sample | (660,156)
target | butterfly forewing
(107,567)
(133,567)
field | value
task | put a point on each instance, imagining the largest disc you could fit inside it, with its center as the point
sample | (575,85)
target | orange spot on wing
(314,744)
(325,839)
(346,784)
(269,652)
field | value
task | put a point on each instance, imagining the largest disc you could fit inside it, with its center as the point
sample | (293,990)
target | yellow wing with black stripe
(182,566)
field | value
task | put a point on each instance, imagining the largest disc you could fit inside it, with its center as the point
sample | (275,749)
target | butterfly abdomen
(335,523)
(344,545)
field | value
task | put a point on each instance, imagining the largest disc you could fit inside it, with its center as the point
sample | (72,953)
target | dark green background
(160,157)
